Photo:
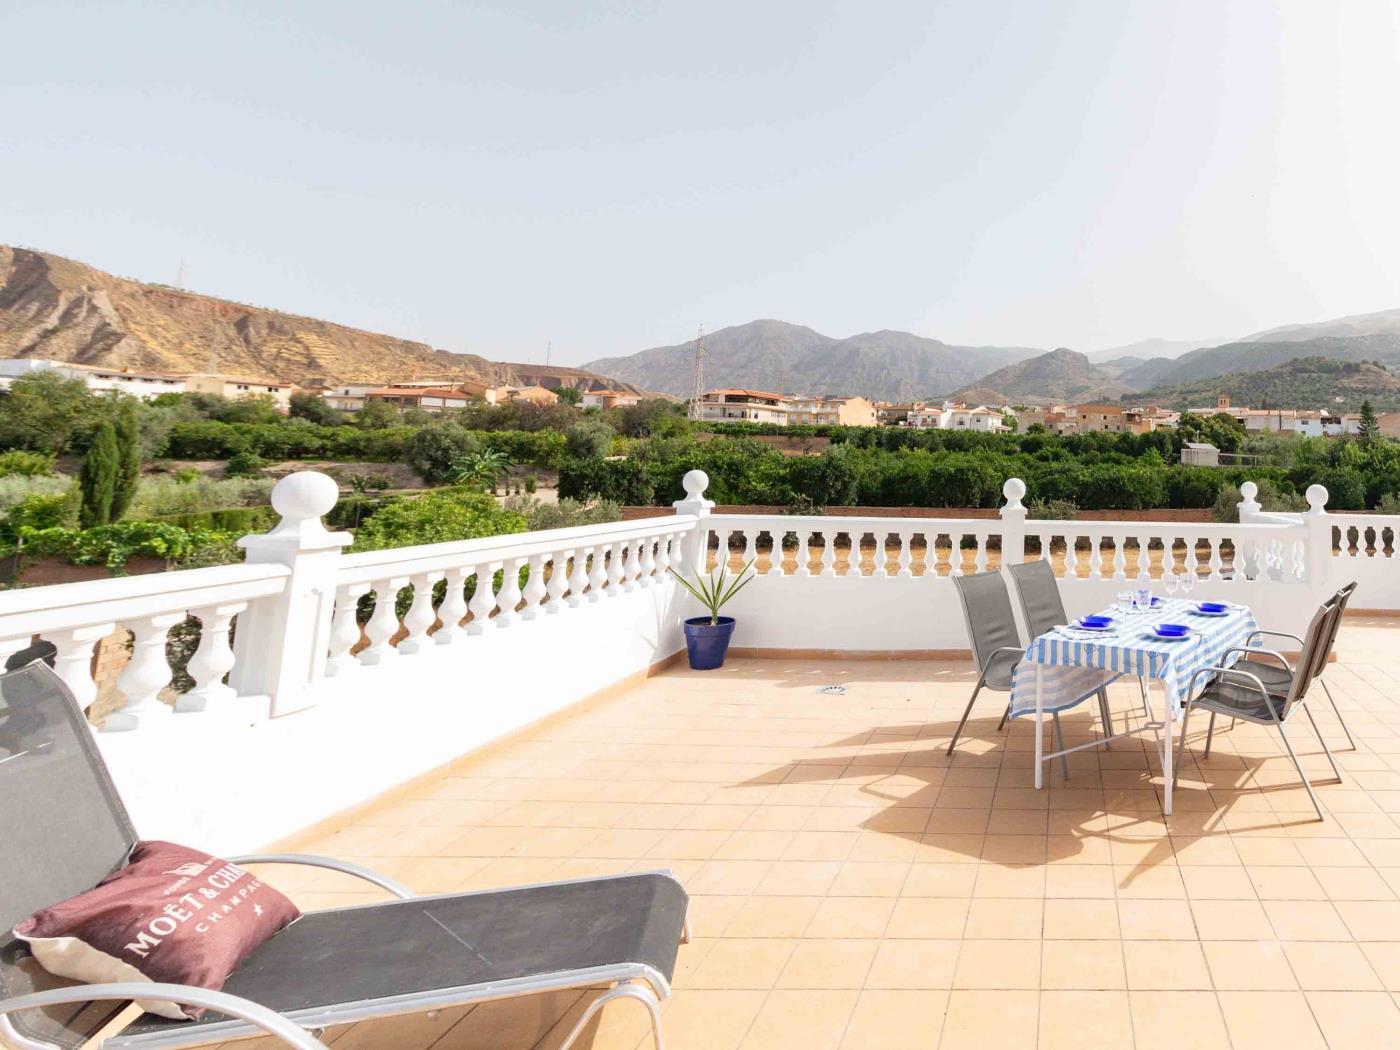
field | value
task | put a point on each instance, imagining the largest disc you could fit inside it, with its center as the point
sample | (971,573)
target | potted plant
(707,637)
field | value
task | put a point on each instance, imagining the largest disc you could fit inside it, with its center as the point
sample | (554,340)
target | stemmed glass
(1188,580)
(1170,581)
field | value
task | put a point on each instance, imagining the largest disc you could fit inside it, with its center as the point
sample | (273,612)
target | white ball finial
(1013,490)
(1248,491)
(1317,498)
(695,483)
(305,494)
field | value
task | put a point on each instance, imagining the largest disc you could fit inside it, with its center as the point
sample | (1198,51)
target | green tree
(46,412)
(128,434)
(1370,425)
(437,517)
(590,437)
(376,415)
(481,469)
(98,478)
(314,408)
(433,452)
(567,395)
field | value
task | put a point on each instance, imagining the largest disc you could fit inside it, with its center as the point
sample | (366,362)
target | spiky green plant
(713,591)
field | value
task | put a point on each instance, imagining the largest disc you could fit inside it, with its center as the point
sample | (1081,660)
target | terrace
(851,884)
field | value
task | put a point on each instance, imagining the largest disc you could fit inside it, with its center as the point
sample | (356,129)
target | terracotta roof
(748,393)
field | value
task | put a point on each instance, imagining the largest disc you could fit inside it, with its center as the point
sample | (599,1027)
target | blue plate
(1169,637)
(1095,623)
(1199,610)
(1079,626)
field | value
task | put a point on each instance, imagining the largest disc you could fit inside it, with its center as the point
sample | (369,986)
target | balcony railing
(299,706)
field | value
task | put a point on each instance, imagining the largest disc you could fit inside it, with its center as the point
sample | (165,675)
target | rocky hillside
(1382,322)
(1305,382)
(775,355)
(1256,355)
(1060,375)
(60,309)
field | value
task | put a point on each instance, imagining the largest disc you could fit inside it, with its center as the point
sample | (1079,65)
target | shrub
(436,517)
(433,452)
(624,481)
(1271,497)
(18,463)
(590,438)
(565,514)
(162,497)
(113,545)
(245,465)
(1052,510)
(37,509)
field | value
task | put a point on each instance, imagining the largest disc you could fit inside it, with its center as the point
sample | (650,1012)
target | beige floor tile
(1385,960)
(813,1020)
(991,918)
(798,877)
(743,962)
(977,1020)
(1091,919)
(1182,1020)
(1235,920)
(1270,1020)
(1086,965)
(940,880)
(1080,881)
(771,916)
(1286,884)
(905,964)
(1156,920)
(1353,884)
(994,880)
(870,879)
(896,1020)
(828,963)
(925,917)
(1248,966)
(997,964)
(1166,966)
(851,917)
(728,876)
(1355,1019)
(1085,1020)
(1331,967)
(1305,921)
(1371,920)
(696,1019)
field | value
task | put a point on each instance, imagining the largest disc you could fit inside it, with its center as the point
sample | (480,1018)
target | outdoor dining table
(1067,665)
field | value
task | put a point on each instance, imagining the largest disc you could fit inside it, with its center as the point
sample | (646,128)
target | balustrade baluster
(663,558)
(1120,557)
(420,616)
(483,602)
(804,555)
(629,564)
(598,573)
(508,597)
(453,609)
(1096,556)
(1144,556)
(145,676)
(829,554)
(211,661)
(615,573)
(558,581)
(73,662)
(647,568)
(906,555)
(345,629)
(751,547)
(881,567)
(955,557)
(535,588)
(979,555)
(383,622)
(1300,565)
(578,577)
(1216,560)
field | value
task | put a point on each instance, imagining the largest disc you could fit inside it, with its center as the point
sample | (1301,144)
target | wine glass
(1171,582)
(1188,580)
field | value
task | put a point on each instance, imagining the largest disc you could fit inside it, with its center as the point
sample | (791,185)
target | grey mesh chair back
(62,828)
(991,625)
(1315,647)
(1339,601)
(1039,592)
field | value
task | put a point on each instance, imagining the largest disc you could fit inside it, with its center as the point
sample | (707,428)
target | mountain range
(56,308)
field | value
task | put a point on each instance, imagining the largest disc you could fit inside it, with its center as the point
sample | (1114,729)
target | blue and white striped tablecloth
(1073,668)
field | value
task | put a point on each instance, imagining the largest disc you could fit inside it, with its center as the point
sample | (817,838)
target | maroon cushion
(170,914)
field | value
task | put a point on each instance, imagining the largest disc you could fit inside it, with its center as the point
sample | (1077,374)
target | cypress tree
(98,478)
(128,434)
(1370,425)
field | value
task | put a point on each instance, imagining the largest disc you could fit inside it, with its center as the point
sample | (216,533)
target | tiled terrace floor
(854,888)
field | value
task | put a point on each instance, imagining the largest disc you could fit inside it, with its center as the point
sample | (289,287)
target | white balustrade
(453,609)
(535,588)
(578,577)
(383,622)
(483,602)
(212,660)
(146,674)
(558,581)
(420,616)
(345,629)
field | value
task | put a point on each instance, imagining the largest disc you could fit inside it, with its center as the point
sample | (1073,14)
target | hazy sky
(492,176)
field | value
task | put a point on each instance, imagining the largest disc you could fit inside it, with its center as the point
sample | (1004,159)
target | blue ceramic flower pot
(706,643)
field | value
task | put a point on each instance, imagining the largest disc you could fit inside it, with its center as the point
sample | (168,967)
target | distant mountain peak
(1060,375)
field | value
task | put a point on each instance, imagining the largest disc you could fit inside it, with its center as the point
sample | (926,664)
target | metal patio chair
(63,828)
(996,646)
(1240,692)
(1044,610)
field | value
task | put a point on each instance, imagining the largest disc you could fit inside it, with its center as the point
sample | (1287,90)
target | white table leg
(1039,731)
(1169,718)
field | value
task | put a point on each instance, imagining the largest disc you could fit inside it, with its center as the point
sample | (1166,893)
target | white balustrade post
(578,577)
(282,641)
(1248,504)
(1319,543)
(558,581)
(695,548)
(145,676)
(383,622)
(73,662)
(508,597)
(1013,528)
(483,602)
(648,562)
(535,588)
(211,661)
(454,606)
(345,629)
(420,616)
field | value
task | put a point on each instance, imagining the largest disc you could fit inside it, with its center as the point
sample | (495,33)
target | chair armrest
(330,863)
(1259,650)
(998,652)
(1274,634)
(243,1009)
(1231,672)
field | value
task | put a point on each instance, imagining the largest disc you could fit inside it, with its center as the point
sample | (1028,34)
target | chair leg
(1005,717)
(621,991)
(1210,732)
(1351,744)
(1181,744)
(1325,749)
(1288,744)
(1107,718)
(963,720)
(1060,741)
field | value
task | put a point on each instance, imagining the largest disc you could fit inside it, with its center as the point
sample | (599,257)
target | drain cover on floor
(833,690)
